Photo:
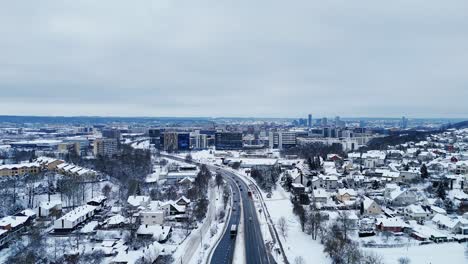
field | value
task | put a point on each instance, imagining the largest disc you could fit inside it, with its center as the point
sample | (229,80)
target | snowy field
(446,253)
(297,243)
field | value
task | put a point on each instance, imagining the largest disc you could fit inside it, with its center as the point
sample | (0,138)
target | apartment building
(105,147)
(20,169)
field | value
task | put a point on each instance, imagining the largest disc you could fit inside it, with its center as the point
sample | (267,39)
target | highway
(225,249)
(255,249)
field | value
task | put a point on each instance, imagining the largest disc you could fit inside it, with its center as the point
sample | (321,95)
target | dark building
(111,133)
(183,141)
(155,137)
(228,141)
(175,141)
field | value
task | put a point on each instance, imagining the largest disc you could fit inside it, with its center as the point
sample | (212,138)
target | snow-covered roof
(438,210)
(20,165)
(391,222)
(328,177)
(50,205)
(367,202)
(297,185)
(46,160)
(136,201)
(183,198)
(116,220)
(179,208)
(425,231)
(98,199)
(344,191)
(159,232)
(444,220)
(388,173)
(13,221)
(321,193)
(415,209)
(78,212)
(151,253)
(374,154)
(62,165)
(28,212)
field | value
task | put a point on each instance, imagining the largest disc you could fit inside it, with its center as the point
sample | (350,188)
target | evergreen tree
(424,172)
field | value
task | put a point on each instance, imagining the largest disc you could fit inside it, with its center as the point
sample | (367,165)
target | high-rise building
(324,121)
(404,123)
(282,139)
(310,121)
(183,141)
(105,147)
(168,141)
(155,137)
(201,141)
(175,141)
(228,141)
(111,133)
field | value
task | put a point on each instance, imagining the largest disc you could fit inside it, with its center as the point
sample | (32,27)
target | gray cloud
(234,58)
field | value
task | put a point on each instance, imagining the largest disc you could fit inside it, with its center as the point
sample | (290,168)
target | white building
(73,218)
(282,139)
(152,217)
(46,208)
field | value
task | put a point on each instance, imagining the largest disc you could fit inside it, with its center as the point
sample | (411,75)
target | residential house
(171,208)
(72,219)
(297,188)
(399,197)
(183,201)
(346,195)
(370,207)
(46,208)
(152,217)
(159,232)
(417,212)
(136,201)
(394,224)
(320,195)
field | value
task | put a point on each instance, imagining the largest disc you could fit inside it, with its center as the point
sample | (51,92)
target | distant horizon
(231,117)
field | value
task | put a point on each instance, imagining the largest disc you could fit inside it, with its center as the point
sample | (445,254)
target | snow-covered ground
(445,253)
(296,243)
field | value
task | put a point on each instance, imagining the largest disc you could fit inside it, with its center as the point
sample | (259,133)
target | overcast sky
(262,58)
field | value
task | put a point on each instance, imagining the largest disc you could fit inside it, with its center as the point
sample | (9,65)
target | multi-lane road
(224,251)
(255,249)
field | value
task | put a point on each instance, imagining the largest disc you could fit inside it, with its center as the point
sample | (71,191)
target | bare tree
(299,260)
(188,158)
(404,260)
(372,258)
(283,227)
(315,223)
(106,190)
(344,221)
(219,179)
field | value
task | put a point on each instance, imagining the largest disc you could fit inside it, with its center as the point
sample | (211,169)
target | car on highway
(250,219)
(233,231)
